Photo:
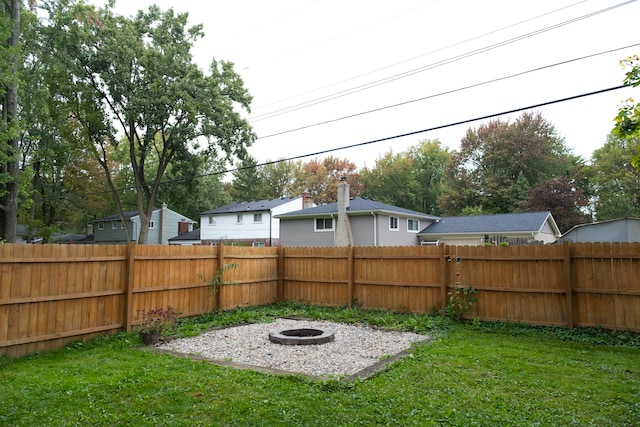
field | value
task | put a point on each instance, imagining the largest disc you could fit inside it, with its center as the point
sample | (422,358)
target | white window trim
(258,244)
(321,230)
(239,218)
(212,220)
(397,227)
(409,220)
(114,225)
(257,218)
(101,226)
(152,224)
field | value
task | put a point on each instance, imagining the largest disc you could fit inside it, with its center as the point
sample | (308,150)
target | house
(615,230)
(253,223)
(164,223)
(513,228)
(352,221)
(189,238)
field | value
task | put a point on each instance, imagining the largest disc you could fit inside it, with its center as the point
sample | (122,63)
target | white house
(251,223)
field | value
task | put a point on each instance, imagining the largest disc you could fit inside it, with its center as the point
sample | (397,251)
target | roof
(190,235)
(250,206)
(116,217)
(356,205)
(133,214)
(525,222)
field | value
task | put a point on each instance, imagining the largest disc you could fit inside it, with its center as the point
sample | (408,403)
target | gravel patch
(356,348)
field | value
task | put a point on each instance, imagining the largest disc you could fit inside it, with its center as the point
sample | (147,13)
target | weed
(461,299)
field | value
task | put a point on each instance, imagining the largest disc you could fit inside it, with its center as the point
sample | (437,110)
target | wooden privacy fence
(53,294)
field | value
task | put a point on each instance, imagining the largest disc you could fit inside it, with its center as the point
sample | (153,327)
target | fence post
(350,277)
(221,269)
(128,299)
(568,283)
(443,278)
(280,288)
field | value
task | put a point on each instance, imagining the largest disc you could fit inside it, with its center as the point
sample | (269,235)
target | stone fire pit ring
(301,336)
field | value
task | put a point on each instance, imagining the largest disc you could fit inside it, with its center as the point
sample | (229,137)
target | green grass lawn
(474,373)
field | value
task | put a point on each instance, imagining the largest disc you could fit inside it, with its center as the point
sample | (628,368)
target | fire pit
(303,336)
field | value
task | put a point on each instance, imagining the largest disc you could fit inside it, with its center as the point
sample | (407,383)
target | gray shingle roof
(497,223)
(190,235)
(251,206)
(115,217)
(356,204)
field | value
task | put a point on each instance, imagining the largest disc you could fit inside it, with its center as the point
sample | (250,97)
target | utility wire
(416,57)
(388,138)
(409,73)
(362,113)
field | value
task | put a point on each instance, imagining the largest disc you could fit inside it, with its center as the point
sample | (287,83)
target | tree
(628,118)
(410,179)
(248,182)
(320,178)
(135,77)
(499,162)
(280,178)
(9,125)
(194,187)
(616,181)
(562,199)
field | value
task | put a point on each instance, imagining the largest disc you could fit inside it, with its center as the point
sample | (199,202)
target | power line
(409,73)
(446,92)
(388,138)
(417,57)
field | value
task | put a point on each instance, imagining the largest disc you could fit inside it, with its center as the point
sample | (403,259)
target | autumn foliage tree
(500,161)
(561,197)
(320,178)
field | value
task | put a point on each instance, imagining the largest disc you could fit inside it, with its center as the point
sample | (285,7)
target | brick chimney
(306,200)
(343,226)
(183,227)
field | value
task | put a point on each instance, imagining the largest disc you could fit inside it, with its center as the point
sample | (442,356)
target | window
(101,226)
(212,220)
(152,224)
(121,225)
(324,224)
(413,225)
(114,225)
(258,244)
(239,219)
(257,217)
(393,223)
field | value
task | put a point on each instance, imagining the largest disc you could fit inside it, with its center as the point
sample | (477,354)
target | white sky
(304,51)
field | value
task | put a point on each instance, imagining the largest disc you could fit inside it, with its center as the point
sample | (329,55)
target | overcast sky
(318,69)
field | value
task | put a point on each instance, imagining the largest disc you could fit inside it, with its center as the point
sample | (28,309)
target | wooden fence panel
(53,294)
(397,278)
(316,275)
(253,279)
(515,283)
(606,280)
(175,276)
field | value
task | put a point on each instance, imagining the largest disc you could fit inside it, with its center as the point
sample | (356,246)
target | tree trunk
(10,200)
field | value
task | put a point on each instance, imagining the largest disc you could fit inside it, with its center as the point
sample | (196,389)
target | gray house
(615,230)
(357,221)
(164,223)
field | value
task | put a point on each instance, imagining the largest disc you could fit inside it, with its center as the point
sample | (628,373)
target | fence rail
(53,294)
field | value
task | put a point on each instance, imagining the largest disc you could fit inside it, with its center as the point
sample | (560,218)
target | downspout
(375,229)
(335,226)
(270,230)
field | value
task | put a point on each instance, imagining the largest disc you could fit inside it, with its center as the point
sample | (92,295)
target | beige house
(512,228)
